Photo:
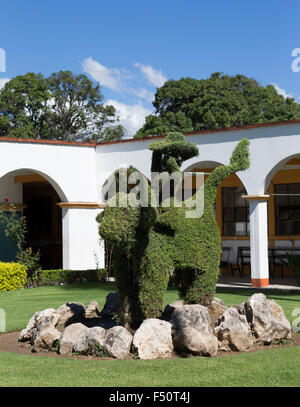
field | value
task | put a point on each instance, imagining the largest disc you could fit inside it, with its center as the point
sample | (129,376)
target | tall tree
(23,104)
(64,106)
(217,102)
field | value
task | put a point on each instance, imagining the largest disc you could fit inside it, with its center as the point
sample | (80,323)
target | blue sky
(131,47)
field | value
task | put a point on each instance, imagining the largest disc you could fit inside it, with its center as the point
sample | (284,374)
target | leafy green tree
(64,106)
(23,104)
(217,102)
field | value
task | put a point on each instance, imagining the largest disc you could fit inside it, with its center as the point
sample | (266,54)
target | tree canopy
(63,106)
(217,102)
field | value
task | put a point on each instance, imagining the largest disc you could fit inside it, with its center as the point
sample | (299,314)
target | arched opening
(36,196)
(283,185)
(232,216)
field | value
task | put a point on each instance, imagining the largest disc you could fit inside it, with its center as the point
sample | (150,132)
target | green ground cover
(278,367)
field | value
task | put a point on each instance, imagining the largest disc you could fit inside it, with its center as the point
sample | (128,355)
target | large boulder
(118,342)
(39,321)
(266,319)
(216,309)
(70,336)
(192,330)
(153,339)
(46,339)
(92,310)
(88,337)
(168,311)
(70,313)
(233,331)
(111,306)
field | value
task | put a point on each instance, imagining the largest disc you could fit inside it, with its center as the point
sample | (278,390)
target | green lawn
(278,367)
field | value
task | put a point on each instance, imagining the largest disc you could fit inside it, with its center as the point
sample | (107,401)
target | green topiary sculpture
(152,242)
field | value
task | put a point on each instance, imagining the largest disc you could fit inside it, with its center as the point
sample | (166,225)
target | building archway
(36,196)
(232,214)
(283,185)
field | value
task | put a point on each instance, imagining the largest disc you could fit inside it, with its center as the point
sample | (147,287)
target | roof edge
(207,131)
(133,140)
(44,141)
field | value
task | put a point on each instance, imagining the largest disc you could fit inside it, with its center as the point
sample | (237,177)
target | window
(287,209)
(235,210)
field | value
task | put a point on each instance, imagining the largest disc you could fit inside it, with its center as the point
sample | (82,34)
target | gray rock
(153,339)
(215,309)
(70,313)
(168,311)
(240,308)
(192,330)
(92,310)
(87,337)
(233,331)
(70,336)
(111,306)
(266,319)
(46,338)
(39,321)
(118,342)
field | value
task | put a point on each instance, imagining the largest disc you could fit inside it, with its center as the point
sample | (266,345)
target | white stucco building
(59,187)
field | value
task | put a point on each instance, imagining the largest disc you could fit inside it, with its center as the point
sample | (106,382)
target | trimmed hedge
(58,277)
(12,276)
(153,243)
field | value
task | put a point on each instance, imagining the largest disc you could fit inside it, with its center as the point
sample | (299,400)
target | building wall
(78,172)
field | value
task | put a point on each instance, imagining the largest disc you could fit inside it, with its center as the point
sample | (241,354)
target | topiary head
(170,153)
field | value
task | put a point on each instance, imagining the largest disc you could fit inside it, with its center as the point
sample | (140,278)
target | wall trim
(82,205)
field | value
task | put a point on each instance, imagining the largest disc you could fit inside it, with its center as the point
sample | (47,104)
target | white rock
(266,319)
(153,339)
(168,311)
(70,313)
(118,341)
(39,321)
(92,310)
(233,331)
(70,336)
(192,330)
(46,339)
(87,337)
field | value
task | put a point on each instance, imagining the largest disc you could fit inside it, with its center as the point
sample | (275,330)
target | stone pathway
(285,285)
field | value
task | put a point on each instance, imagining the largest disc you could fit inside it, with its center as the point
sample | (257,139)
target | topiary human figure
(153,242)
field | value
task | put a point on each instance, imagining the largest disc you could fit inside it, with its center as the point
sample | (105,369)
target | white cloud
(132,117)
(144,94)
(3,81)
(155,77)
(109,77)
(281,91)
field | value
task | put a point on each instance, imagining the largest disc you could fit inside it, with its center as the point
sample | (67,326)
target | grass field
(278,367)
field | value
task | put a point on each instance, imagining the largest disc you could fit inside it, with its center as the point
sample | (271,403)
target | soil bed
(9,343)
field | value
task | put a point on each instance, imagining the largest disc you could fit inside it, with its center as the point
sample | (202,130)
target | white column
(259,241)
(82,248)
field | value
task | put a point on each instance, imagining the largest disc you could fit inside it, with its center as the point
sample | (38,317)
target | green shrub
(95,349)
(12,276)
(153,243)
(58,277)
